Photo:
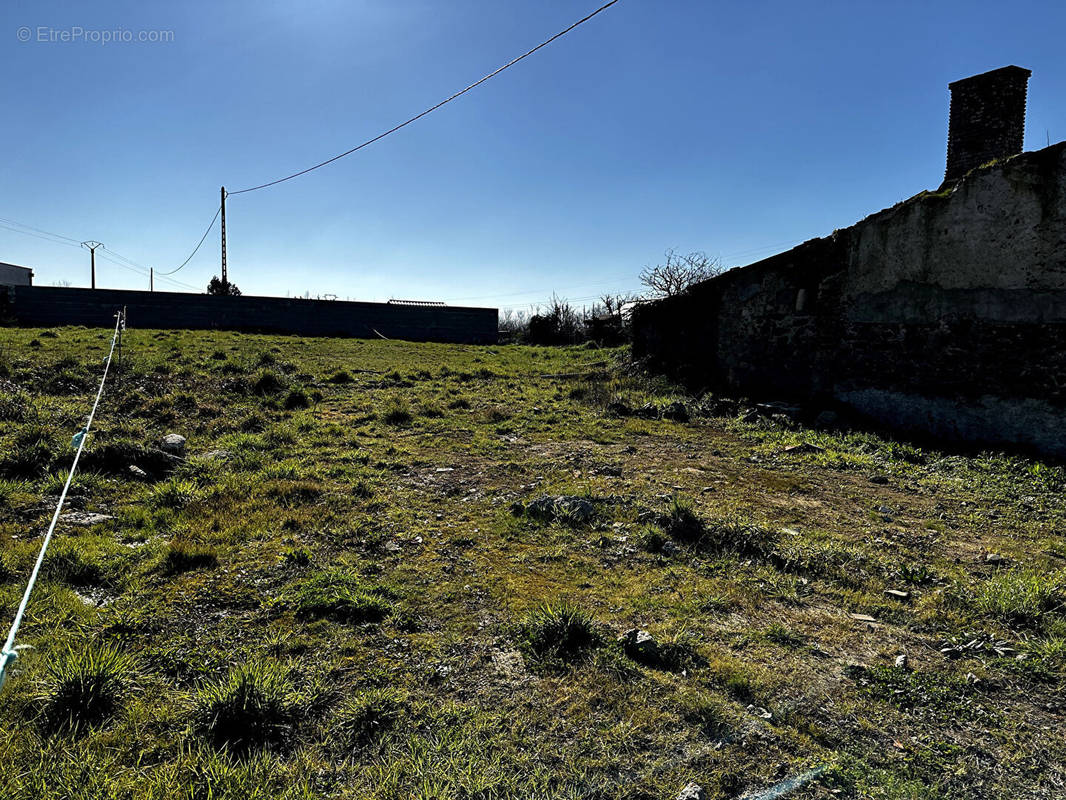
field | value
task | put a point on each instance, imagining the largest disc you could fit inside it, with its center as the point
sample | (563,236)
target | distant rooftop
(417,303)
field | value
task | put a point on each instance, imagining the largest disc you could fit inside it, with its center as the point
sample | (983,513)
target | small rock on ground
(173,443)
(84,519)
(578,509)
(692,791)
(640,646)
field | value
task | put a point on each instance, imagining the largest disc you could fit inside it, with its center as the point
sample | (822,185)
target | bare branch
(679,272)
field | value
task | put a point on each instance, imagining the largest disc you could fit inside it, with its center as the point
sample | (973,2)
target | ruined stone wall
(987,119)
(944,315)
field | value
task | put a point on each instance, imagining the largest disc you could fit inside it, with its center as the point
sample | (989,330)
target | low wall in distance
(46,306)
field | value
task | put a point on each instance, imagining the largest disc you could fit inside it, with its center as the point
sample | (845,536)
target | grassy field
(348,587)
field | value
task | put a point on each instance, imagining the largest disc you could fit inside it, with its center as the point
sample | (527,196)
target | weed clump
(185,557)
(363,718)
(682,522)
(559,633)
(175,493)
(249,708)
(341,377)
(84,686)
(268,382)
(340,596)
(30,456)
(297,398)
(396,412)
(69,564)
(1022,597)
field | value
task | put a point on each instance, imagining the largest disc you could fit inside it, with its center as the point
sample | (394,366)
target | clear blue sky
(734,128)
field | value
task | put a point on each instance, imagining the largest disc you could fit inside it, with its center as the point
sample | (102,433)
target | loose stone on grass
(174,444)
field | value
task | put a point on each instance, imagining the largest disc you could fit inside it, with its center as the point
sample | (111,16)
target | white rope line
(9,654)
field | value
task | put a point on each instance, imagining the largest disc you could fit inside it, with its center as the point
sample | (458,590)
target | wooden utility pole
(151,279)
(225,277)
(91,246)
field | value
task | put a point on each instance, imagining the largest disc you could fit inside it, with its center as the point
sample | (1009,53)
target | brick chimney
(987,119)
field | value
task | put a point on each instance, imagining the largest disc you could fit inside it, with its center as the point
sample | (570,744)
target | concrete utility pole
(91,246)
(151,279)
(225,277)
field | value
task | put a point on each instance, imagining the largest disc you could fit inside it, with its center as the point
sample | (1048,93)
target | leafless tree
(678,272)
(513,321)
(612,304)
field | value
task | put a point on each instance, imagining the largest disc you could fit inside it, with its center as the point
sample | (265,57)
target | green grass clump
(1022,597)
(268,382)
(365,716)
(651,539)
(174,493)
(296,557)
(186,556)
(340,596)
(341,377)
(559,633)
(85,685)
(29,456)
(682,522)
(296,398)
(251,707)
(430,409)
(68,562)
(708,712)
(396,412)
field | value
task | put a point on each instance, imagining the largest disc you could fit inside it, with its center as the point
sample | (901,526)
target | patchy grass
(348,599)
(85,685)
(559,633)
(251,707)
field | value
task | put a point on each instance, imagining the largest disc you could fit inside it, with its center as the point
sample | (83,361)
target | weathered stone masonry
(987,119)
(943,315)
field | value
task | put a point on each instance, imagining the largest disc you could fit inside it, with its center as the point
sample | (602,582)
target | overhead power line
(430,110)
(195,249)
(106,253)
(69,240)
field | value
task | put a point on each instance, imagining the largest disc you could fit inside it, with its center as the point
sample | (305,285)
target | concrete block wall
(52,306)
(944,315)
